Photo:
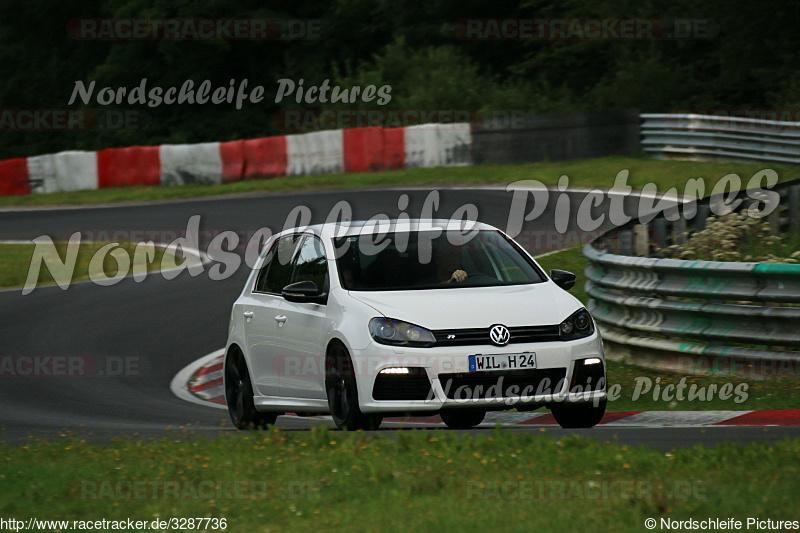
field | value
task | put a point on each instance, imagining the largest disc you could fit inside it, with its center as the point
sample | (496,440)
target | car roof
(359,227)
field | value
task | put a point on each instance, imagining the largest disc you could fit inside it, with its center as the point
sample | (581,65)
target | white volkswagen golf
(369,319)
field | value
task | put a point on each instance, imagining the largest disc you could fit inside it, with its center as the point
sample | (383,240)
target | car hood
(475,307)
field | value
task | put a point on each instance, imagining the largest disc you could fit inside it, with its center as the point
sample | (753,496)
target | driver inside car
(447,260)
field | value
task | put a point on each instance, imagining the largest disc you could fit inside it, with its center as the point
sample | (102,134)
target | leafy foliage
(746,62)
(737,237)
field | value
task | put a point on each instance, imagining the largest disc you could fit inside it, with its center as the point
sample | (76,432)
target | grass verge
(776,393)
(409,481)
(598,172)
(15,260)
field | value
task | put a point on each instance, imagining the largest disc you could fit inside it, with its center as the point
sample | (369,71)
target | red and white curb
(201,383)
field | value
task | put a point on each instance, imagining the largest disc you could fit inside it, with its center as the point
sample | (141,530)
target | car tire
(239,395)
(578,415)
(340,387)
(462,418)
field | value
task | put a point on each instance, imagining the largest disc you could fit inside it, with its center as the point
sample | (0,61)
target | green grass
(788,245)
(15,260)
(588,173)
(776,393)
(410,481)
(573,261)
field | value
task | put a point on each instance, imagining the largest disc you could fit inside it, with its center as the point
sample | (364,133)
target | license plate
(506,361)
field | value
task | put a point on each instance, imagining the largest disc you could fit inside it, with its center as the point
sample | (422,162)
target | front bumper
(453,386)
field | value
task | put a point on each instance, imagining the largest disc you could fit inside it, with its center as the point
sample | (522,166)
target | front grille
(412,386)
(478,384)
(480,336)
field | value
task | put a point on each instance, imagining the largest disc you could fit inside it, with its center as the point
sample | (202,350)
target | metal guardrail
(670,229)
(670,313)
(716,137)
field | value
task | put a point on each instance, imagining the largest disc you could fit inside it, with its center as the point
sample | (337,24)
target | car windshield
(432,260)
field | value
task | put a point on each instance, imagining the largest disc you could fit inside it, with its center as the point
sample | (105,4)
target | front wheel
(462,418)
(578,415)
(340,386)
(239,395)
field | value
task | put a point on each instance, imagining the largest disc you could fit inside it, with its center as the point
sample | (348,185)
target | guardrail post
(641,240)
(680,230)
(794,209)
(660,230)
(625,242)
(774,219)
(702,215)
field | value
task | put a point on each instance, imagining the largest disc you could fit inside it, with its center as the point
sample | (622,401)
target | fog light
(398,370)
(592,361)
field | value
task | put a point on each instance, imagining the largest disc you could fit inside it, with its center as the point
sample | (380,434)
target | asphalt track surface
(130,339)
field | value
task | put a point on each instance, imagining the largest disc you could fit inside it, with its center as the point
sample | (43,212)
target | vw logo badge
(499,335)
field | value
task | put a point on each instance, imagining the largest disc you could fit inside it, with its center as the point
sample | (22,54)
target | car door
(301,335)
(263,314)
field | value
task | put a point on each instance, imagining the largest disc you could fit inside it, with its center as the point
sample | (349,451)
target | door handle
(280,318)
(249,314)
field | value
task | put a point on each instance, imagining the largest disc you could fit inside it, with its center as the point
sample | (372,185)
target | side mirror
(304,291)
(562,278)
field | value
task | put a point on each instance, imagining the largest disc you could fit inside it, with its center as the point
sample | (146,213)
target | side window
(275,275)
(311,264)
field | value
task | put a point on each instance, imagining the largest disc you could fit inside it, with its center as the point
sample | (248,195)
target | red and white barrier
(183,164)
(363,149)
(127,167)
(326,152)
(437,145)
(455,144)
(422,145)
(394,148)
(296,159)
(14,179)
(63,172)
(42,174)
(75,171)
(264,158)
(232,156)
(322,152)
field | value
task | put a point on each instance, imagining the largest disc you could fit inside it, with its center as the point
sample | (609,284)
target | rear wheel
(462,418)
(578,415)
(340,386)
(239,395)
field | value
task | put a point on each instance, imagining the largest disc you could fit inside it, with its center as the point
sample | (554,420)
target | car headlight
(578,325)
(399,333)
